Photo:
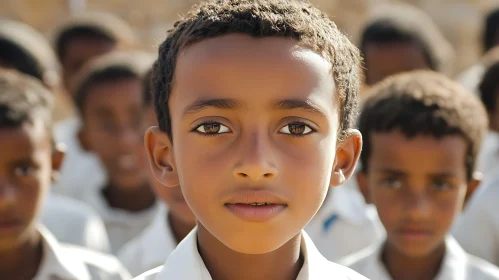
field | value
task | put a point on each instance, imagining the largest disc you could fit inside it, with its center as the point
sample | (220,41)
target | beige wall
(460,20)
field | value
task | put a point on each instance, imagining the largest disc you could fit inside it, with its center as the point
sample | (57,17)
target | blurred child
(255,101)
(173,222)
(78,40)
(26,50)
(403,38)
(28,162)
(422,133)
(109,97)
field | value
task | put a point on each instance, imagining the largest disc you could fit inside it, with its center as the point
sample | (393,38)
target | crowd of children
(231,152)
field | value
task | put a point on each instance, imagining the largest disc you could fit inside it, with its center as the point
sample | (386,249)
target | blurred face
(418,186)
(26,165)
(81,49)
(112,117)
(173,197)
(386,59)
(254,139)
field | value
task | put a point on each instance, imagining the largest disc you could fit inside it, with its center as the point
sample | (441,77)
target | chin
(256,242)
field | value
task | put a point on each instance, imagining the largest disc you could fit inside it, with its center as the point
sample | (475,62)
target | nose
(417,204)
(7,194)
(256,160)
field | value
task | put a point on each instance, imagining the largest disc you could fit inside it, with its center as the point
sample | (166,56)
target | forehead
(83,47)
(421,152)
(243,67)
(395,53)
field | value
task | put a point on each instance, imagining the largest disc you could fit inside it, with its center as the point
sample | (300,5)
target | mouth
(127,163)
(9,225)
(256,206)
(415,233)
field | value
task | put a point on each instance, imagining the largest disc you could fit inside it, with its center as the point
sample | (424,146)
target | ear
(57,160)
(347,154)
(363,187)
(472,186)
(160,153)
(83,139)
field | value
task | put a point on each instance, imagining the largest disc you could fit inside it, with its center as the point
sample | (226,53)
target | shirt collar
(57,262)
(186,263)
(452,268)
(159,240)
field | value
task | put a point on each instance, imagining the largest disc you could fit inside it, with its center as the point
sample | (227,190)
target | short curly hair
(23,99)
(294,19)
(423,103)
(489,86)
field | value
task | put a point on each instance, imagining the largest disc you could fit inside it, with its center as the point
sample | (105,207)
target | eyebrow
(221,103)
(391,171)
(303,104)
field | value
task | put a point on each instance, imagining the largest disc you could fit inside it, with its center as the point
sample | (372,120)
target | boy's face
(81,49)
(173,197)
(27,163)
(112,117)
(418,186)
(258,125)
(386,59)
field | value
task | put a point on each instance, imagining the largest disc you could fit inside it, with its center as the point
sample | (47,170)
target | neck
(22,262)
(132,200)
(405,267)
(224,263)
(179,228)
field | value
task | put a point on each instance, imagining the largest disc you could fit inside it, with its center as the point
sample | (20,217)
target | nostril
(268,175)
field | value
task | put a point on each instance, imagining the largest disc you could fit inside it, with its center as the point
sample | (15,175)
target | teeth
(258,204)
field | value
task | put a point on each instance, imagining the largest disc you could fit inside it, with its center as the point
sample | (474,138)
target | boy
(26,50)
(403,38)
(109,97)
(422,133)
(255,102)
(29,160)
(153,246)
(77,41)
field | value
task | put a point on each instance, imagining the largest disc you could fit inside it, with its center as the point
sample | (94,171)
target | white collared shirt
(63,262)
(122,226)
(186,263)
(456,265)
(344,224)
(81,171)
(477,229)
(488,158)
(151,248)
(74,222)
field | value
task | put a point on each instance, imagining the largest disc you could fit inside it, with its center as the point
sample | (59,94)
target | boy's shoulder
(74,262)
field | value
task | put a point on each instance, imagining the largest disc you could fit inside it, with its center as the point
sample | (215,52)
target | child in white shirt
(255,102)
(109,98)
(422,133)
(29,160)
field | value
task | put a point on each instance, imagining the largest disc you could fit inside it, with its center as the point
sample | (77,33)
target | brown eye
(297,129)
(212,128)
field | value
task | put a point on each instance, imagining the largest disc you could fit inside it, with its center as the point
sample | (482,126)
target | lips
(9,225)
(127,163)
(255,205)
(414,233)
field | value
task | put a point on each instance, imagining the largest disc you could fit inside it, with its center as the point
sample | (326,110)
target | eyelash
(312,130)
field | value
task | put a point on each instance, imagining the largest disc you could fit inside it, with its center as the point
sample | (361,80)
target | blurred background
(461,21)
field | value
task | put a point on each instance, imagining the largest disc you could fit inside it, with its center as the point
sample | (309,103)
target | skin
(112,117)
(418,185)
(386,59)
(80,50)
(181,219)
(289,152)
(27,165)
